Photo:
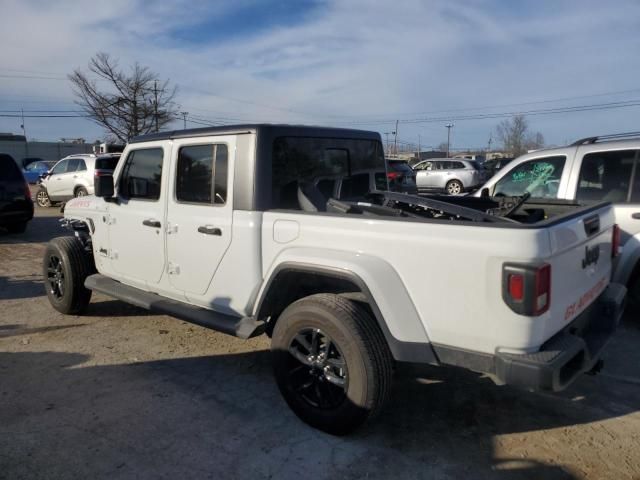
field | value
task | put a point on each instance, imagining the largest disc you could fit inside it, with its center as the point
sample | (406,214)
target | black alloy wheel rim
(316,369)
(55,277)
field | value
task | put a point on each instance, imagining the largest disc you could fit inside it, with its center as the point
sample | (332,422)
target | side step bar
(242,327)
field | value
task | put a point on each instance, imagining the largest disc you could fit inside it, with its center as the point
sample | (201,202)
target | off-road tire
(17,227)
(369,364)
(42,198)
(75,265)
(454,187)
(80,192)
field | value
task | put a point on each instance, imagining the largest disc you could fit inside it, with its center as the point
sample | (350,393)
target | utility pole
(419,149)
(395,140)
(24,132)
(184,116)
(387,141)
(489,146)
(449,127)
(155,103)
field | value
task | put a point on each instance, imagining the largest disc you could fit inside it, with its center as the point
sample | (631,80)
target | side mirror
(103,185)
(484,193)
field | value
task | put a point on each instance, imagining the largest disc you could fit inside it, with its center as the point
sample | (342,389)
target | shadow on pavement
(39,229)
(111,308)
(222,417)
(27,286)
(19,330)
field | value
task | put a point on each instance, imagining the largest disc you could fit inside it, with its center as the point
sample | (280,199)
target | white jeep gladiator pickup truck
(226,227)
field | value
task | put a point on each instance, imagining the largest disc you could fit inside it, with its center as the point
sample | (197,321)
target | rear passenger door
(199,211)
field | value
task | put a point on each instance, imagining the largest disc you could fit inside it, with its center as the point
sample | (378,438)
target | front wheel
(42,198)
(454,187)
(331,362)
(66,265)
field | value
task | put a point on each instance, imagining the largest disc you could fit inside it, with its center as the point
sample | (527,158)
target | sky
(347,63)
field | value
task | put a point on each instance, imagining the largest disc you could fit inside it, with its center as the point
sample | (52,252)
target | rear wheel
(81,192)
(454,187)
(331,362)
(42,198)
(66,265)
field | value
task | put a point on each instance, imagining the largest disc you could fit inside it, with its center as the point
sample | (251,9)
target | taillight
(615,241)
(392,175)
(516,287)
(27,191)
(542,293)
(526,289)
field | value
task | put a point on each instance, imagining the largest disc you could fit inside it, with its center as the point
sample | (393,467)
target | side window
(60,167)
(73,164)
(199,179)
(81,165)
(457,165)
(326,187)
(429,166)
(635,187)
(380,179)
(142,174)
(539,177)
(355,186)
(606,176)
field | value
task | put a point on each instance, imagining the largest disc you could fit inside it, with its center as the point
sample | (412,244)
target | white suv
(72,177)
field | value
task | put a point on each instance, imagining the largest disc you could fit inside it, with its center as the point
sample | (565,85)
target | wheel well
(78,187)
(290,285)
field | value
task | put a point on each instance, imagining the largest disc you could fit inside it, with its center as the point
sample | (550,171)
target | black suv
(16,206)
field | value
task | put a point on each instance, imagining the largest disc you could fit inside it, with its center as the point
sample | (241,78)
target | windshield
(400,167)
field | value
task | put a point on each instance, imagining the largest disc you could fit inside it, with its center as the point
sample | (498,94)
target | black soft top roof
(272,130)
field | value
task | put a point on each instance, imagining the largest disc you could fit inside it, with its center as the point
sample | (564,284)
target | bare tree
(515,137)
(132,104)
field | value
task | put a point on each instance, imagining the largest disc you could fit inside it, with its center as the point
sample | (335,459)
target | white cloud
(348,60)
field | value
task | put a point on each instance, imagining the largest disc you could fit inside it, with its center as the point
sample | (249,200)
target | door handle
(209,230)
(151,223)
(635,216)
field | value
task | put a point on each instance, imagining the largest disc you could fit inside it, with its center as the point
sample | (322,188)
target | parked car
(73,176)
(16,206)
(452,176)
(36,170)
(591,170)
(402,178)
(339,285)
(492,166)
(27,160)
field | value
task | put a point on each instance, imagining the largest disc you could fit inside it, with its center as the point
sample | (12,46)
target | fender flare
(628,262)
(393,311)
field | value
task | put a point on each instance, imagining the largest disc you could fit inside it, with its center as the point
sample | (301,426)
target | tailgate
(580,263)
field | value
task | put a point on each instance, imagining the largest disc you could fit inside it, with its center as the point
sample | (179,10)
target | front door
(55,180)
(199,213)
(136,220)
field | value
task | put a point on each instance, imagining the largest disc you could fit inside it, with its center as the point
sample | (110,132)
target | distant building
(18,147)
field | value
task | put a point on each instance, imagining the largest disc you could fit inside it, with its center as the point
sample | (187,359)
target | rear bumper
(17,212)
(573,351)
